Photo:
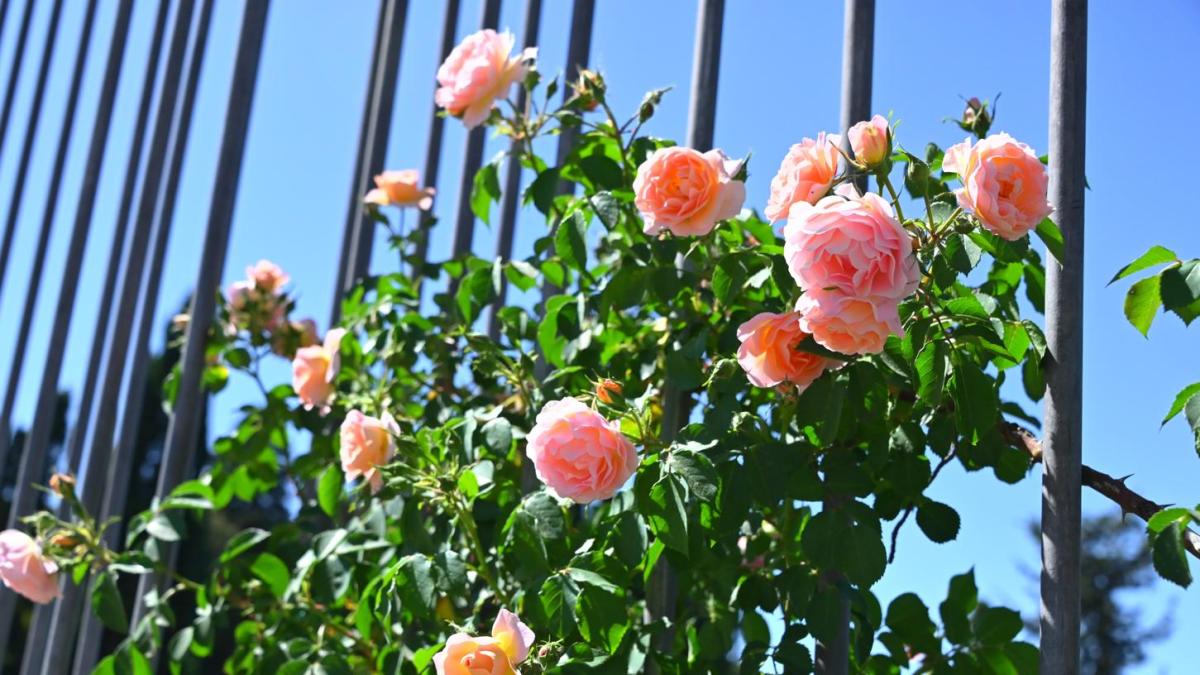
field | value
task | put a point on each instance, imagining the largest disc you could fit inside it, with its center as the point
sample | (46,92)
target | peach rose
(1004,184)
(579,454)
(267,277)
(514,637)
(607,389)
(479,71)
(496,655)
(870,141)
(848,324)
(400,188)
(314,369)
(367,444)
(25,570)
(769,356)
(687,191)
(805,174)
(855,245)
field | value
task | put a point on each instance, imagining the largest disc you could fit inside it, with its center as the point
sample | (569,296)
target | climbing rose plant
(712,422)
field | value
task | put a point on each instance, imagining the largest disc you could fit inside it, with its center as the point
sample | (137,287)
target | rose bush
(710,420)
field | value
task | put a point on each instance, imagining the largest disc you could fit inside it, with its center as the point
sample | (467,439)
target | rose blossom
(25,570)
(1004,184)
(496,655)
(686,191)
(848,324)
(479,71)
(579,454)
(367,445)
(870,141)
(769,355)
(400,188)
(267,277)
(805,174)
(314,369)
(855,245)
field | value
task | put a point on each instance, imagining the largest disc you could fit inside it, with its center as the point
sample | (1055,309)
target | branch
(1114,489)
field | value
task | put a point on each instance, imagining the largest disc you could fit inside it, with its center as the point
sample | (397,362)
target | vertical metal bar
(120,226)
(1061,477)
(858,58)
(100,446)
(18,191)
(350,231)
(14,78)
(120,467)
(189,399)
(512,175)
(33,463)
(433,151)
(39,437)
(663,586)
(377,122)
(464,223)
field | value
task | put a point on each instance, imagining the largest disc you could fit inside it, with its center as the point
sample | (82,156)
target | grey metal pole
(190,397)
(105,302)
(433,151)
(662,588)
(464,223)
(1062,443)
(32,463)
(858,57)
(349,232)
(14,72)
(377,121)
(18,191)
(119,468)
(512,175)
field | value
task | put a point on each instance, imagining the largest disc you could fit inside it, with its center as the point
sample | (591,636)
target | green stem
(886,183)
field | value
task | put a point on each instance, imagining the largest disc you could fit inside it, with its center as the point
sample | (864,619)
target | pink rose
(769,355)
(267,277)
(870,141)
(367,444)
(496,655)
(514,637)
(400,188)
(479,71)
(1004,184)
(25,570)
(686,191)
(848,324)
(805,174)
(578,453)
(854,245)
(314,369)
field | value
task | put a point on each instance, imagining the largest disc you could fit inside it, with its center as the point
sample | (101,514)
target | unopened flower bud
(608,391)
(64,540)
(62,482)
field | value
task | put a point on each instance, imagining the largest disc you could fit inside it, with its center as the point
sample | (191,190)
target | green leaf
(416,583)
(1052,237)
(558,596)
(997,625)
(570,241)
(329,489)
(698,470)
(1170,556)
(833,541)
(1142,302)
(955,610)
(476,290)
(1192,411)
(908,617)
(273,571)
(666,513)
(603,617)
(1181,290)
(241,542)
(160,527)
(486,190)
(542,190)
(107,604)
(1181,400)
(938,521)
(975,402)
(1159,521)
(1157,255)
(931,371)
(728,279)
(497,435)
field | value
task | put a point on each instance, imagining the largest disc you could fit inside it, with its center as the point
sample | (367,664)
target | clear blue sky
(780,82)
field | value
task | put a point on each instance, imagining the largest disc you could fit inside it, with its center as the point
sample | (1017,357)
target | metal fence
(63,637)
